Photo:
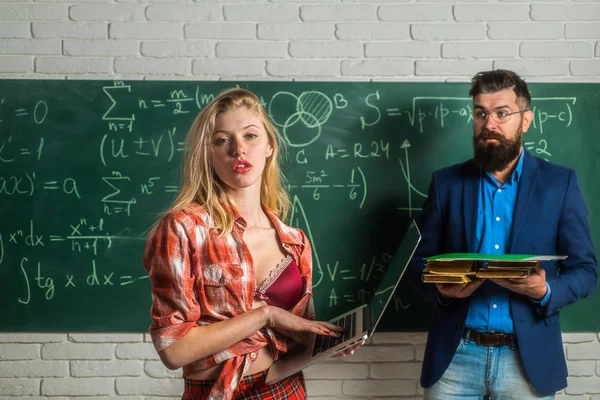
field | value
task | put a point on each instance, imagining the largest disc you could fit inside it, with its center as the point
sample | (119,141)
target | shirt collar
(516,175)
(286,234)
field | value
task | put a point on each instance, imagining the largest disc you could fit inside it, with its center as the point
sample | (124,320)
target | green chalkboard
(86,167)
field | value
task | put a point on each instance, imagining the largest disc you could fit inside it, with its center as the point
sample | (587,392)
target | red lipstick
(241,166)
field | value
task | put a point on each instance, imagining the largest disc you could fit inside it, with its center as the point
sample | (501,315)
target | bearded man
(501,338)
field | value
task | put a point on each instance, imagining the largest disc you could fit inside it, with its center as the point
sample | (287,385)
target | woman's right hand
(295,327)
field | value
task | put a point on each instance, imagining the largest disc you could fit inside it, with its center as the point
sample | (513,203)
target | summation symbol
(118,203)
(115,112)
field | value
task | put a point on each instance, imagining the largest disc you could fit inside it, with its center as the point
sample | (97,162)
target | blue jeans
(480,372)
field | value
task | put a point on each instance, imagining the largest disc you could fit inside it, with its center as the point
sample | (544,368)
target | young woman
(230,281)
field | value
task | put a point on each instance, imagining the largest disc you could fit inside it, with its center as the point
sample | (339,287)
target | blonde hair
(201,183)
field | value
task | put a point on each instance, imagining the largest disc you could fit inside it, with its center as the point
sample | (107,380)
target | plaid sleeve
(168,259)
(305,306)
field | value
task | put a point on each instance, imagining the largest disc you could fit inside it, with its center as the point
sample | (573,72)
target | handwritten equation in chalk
(86,168)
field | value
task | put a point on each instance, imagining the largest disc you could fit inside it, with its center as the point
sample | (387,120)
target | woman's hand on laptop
(349,351)
(296,327)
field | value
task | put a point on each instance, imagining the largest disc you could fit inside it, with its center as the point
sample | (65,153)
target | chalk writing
(9,154)
(87,167)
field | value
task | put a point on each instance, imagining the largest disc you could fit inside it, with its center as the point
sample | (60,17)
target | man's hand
(534,286)
(458,290)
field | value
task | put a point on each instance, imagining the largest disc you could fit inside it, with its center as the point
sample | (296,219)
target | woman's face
(239,148)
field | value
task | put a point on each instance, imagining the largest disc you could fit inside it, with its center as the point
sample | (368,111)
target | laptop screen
(391,278)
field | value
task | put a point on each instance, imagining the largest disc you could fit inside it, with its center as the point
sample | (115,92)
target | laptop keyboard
(324,343)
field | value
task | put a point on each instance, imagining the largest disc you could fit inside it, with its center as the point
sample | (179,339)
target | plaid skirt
(252,387)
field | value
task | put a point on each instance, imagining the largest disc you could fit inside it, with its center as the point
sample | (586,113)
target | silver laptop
(360,323)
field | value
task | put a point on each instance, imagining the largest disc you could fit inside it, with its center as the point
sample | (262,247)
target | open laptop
(360,323)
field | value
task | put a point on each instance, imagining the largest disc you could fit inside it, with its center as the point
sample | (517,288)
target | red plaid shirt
(199,278)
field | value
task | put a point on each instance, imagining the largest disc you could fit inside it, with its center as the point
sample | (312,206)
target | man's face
(498,138)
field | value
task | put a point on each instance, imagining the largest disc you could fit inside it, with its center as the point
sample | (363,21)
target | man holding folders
(500,338)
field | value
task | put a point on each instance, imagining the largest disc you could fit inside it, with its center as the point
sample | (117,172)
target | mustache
(485,135)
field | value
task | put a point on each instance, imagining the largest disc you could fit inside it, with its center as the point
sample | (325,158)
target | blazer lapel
(526,183)
(471,204)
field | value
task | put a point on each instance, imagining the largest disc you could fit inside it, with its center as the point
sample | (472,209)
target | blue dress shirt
(489,308)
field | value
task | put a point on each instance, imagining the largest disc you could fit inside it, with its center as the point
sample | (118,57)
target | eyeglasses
(500,116)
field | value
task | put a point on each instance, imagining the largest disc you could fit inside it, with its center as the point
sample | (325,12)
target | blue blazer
(550,217)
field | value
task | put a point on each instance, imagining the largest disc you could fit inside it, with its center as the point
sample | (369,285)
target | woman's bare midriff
(263,361)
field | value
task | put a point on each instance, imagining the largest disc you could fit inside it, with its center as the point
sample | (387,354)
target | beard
(495,157)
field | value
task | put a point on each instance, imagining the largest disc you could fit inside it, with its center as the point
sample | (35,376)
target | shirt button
(253,355)
(496,247)
(499,190)
(497,218)
(494,305)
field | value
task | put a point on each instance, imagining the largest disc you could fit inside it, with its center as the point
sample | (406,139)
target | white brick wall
(294,31)
(186,13)
(525,30)
(26,12)
(416,12)
(126,367)
(11,29)
(30,46)
(338,12)
(370,31)
(429,40)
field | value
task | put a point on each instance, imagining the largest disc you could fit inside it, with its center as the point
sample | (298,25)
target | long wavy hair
(200,181)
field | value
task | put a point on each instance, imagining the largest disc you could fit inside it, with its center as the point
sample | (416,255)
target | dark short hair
(500,79)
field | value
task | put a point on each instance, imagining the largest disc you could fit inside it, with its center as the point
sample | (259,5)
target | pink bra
(283,287)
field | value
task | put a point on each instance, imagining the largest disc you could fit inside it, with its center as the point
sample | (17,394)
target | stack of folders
(449,271)
(503,269)
(463,271)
